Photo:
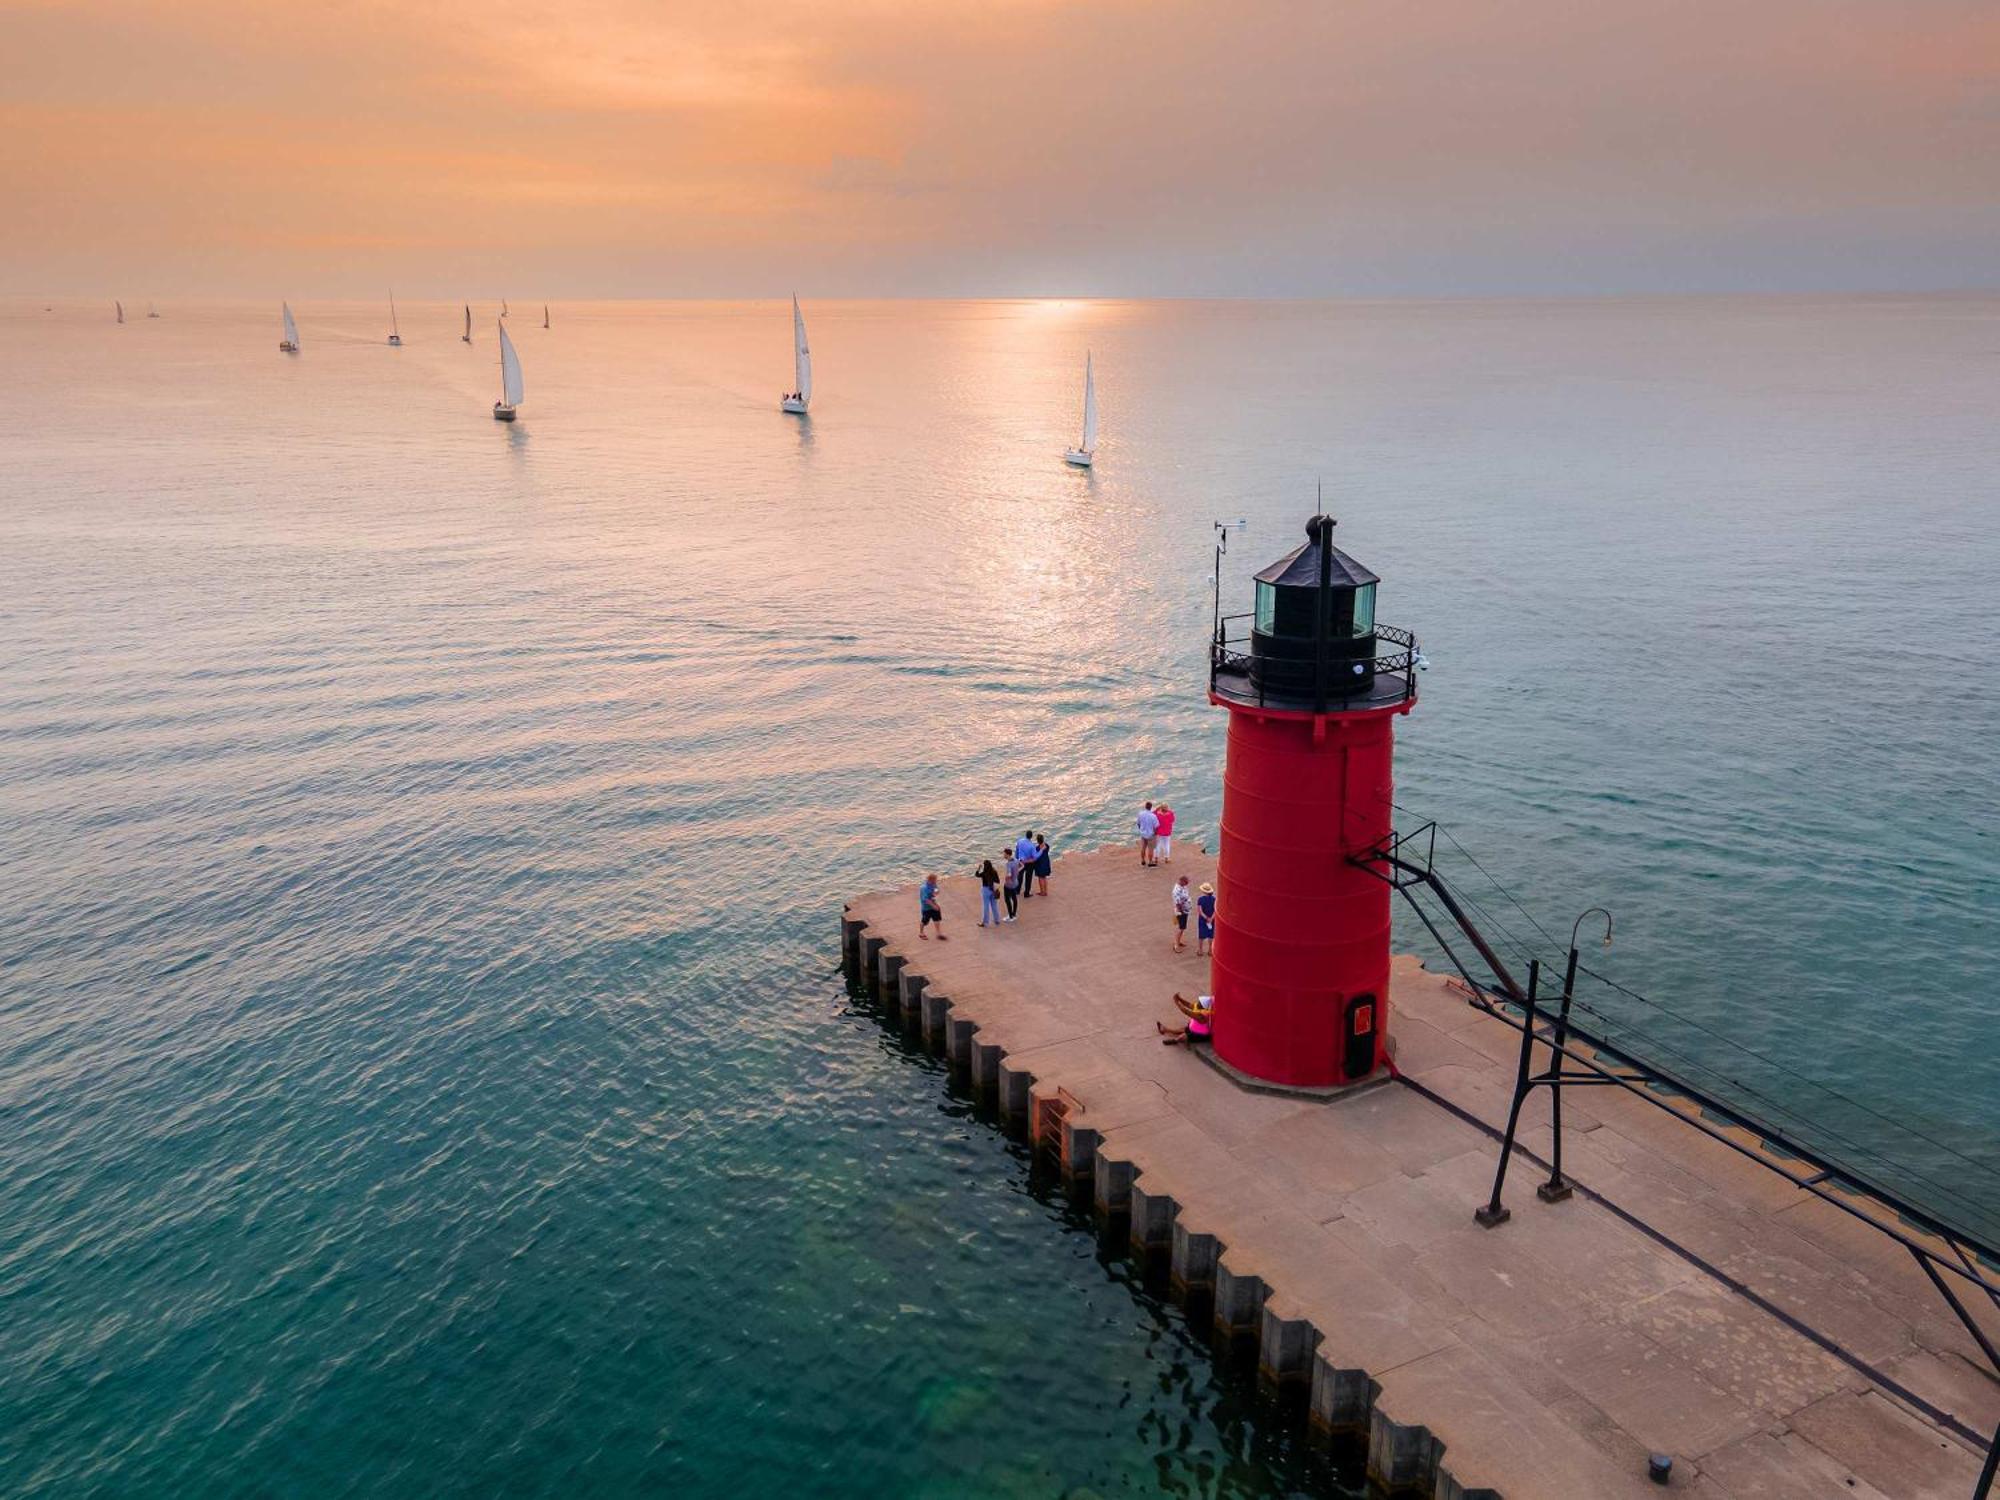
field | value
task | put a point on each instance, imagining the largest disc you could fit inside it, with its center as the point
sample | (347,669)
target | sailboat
(466,337)
(395,332)
(503,307)
(121,310)
(802,366)
(289,344)
(150,311)
(545,315)
(510,379)
(1082,454)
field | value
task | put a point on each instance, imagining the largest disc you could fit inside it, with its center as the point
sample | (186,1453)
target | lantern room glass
(1364,610)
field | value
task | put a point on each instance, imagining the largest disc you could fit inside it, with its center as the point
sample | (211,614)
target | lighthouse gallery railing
(1237,673)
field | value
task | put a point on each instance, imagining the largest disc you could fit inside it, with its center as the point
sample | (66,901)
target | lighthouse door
(1358,1055)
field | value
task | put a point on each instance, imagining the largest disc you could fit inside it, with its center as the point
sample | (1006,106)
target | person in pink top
(1200,1013)
(1165,846)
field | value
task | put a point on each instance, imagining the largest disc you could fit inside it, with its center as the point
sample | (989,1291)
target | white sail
(291,328)
(468,322)
(1089,407)
(121,310)
(510,370)
(394,329)
(545,315)
(802,360)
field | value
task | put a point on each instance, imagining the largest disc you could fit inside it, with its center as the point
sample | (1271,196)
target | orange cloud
(1126,146)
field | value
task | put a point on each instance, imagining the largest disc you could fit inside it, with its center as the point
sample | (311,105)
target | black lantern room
(1313,638)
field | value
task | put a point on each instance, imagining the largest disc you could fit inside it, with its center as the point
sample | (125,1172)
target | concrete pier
(1684,1301)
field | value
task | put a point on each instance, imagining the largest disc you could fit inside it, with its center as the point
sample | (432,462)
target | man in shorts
(928,909)
(1149,833)
(1183,905)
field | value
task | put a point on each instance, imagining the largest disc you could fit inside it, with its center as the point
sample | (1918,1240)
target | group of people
(1005,884)
(1156,835)
(1012,881)
(1201,906)
(1156,847)
(1023,866)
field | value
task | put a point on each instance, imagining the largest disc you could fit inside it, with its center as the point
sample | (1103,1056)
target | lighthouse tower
(1313,687)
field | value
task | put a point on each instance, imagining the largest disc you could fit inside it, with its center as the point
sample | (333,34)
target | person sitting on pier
(1201,1021)
(927,906)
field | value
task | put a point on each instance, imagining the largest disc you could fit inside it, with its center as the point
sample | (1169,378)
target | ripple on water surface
(420,844)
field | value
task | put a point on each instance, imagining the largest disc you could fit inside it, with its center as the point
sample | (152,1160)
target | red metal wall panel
(1298,928)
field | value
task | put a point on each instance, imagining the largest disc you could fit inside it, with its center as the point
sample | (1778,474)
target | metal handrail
(1284,683)
(1578,1056)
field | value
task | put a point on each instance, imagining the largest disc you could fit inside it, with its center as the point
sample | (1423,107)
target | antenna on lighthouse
(1222,530)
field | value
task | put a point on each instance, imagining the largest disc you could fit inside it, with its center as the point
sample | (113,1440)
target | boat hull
(1077,457)
(286,346)
(793,405)
(395,341)
(502,412)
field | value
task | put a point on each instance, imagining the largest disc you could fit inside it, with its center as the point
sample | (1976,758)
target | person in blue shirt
(1044,862)
(928,909)
(1024,851)
(1204,920)
(1149,832)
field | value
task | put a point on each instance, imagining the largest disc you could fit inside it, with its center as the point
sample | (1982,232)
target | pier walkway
(1543,1358)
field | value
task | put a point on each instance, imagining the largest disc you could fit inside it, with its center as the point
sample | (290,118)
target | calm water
(422,1061)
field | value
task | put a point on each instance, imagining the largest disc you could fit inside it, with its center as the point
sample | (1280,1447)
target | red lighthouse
(1301,968)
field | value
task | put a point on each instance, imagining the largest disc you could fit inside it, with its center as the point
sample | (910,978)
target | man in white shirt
(1149,832)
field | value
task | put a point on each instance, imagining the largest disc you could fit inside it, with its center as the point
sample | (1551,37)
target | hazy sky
(621,147)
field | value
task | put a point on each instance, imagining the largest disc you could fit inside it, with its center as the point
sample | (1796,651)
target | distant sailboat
(395,331)
(150,312)
(466,337)
(503,307)
(545,315)
(290,343)
(1083,453)
(510,379)
(802,366)
(121,310)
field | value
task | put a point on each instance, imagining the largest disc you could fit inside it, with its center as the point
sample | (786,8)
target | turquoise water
(423,1062)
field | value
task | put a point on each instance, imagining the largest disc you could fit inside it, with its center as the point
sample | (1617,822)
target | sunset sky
(874,147)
